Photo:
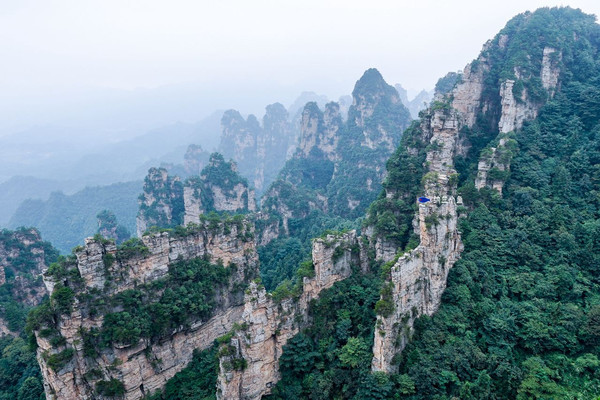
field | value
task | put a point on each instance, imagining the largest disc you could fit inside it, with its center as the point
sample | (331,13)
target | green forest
(20,376)
(519,318)
(520,315)
(65,220)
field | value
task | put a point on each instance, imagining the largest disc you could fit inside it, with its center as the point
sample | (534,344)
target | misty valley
(440,246)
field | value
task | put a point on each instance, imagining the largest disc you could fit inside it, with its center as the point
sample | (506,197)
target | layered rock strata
(269,324)
(418,278)
(218,188)
(144,367)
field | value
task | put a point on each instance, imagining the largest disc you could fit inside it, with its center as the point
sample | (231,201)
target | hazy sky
(54,49)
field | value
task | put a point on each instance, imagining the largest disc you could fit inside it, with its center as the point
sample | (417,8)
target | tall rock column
(249,365)
(418,278)
(75,366)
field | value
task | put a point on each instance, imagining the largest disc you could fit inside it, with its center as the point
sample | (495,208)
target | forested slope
(520,317)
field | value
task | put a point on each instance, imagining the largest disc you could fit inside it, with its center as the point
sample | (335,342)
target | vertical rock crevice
(101,271)
(267,323)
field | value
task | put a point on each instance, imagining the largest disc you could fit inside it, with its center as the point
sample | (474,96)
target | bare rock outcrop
(517,107)
(142,367)
(268,324)
(24,255)
(550,69)
(514,112)
(417,278)
(517,110)
(467,93)
(161,202)
(259,149)
(319,131)
(494,164)
(167,202)
(218,188)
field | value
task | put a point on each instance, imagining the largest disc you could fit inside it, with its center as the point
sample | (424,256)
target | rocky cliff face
(268,324)
(319,131)
(372,94)
(494,164)
(167,202)
(195,159)
(522,107)
(23,257)
(517,105)
(259,150)
(142,366)
(161,203)
(339,165)
(218,188)
(417,278)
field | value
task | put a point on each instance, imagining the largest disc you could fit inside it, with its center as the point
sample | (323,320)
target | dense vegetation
(21,271)
(109,227)
(391,216)
(197,381)
(520,318)
(315,198)
(517,321)
(156,309)
(149,311)
(20,377)
(19,372)
(66,220)
(332,358)
(358,163)
(281,258)
(161,203)
(218,174)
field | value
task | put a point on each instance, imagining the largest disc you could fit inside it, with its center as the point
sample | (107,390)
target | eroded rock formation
(144,366)
(161,203)
(319,131)
(167,202)
(268,324)
(417,279)
(259,150)
(23,257)
(218,188)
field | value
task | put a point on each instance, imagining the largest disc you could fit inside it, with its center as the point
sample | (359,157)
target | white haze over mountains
(121,67)
(94,92)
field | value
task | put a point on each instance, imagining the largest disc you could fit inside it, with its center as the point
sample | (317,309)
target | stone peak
(372,84)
